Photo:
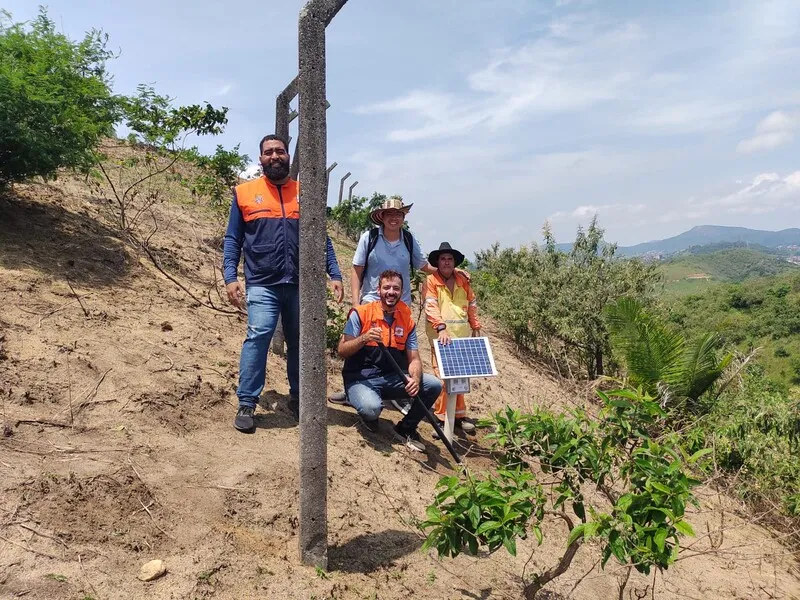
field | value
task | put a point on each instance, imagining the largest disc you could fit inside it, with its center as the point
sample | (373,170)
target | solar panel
(465,357)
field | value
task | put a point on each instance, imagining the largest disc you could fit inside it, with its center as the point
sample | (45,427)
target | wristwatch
(441,327)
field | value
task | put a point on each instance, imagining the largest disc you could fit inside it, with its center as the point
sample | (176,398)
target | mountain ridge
(702,235)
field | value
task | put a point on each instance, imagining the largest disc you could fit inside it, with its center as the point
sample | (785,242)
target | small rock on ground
(152,570)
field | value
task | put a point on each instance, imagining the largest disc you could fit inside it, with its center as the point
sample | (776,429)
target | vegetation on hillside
(607,479)
(726,407)
(351,216)
(732,265)
(57,105)
(755,314)
(56,101)
(552,303)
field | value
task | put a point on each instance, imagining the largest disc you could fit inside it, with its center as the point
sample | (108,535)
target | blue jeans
(366,396)
(264,306)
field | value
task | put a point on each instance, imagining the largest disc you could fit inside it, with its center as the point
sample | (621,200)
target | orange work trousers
(440,408)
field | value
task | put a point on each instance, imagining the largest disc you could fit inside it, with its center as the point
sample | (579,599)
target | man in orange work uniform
(368,375)
(452,312)
(264,226)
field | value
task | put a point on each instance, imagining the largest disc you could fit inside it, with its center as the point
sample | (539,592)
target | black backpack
(408,240)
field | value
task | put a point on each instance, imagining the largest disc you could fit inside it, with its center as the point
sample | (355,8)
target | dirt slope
(118,398)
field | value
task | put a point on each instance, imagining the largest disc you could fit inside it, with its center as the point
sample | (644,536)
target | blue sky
(494,116)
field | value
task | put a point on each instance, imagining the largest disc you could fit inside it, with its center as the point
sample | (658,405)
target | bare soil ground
(117,394)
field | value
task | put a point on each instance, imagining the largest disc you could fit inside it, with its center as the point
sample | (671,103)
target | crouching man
(369,376)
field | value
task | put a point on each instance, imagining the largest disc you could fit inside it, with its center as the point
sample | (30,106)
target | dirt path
(119,446)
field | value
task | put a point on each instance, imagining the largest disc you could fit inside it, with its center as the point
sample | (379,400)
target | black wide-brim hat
(444,248)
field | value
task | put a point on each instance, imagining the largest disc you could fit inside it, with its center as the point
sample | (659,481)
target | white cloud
(764,141)
(767,193)
(575,113)
(568,68)
(587,211)
(775,130)
(778,121)
(688,117)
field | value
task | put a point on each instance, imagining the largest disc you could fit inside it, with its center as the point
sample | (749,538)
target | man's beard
(276,172)
(390,303)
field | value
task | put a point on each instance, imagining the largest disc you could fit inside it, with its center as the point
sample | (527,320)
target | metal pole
(328,179)
(312,142)
(341,186)
(283,110)
(328,171)
(350,192)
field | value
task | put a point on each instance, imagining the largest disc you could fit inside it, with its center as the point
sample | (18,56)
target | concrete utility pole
(350,192)
(312,141)
(341,186)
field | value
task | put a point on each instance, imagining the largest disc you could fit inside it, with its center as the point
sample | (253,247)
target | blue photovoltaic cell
(466,357)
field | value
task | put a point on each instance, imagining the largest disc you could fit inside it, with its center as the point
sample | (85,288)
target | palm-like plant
(659,359)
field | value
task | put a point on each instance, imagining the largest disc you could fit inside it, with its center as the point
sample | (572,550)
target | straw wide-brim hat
(376,216)
(445,248)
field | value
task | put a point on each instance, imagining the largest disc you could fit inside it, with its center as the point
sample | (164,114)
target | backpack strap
(372,241)
(408,240)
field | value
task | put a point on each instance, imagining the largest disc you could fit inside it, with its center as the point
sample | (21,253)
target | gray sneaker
(244,420)
(410,438)
(404,405)
(338,398)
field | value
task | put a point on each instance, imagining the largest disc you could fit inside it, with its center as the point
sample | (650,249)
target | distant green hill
(759,312)
(731,266)
(703,235)
(706,235)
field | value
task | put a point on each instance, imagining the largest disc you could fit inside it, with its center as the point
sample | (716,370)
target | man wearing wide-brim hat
(451,312)
(386,247)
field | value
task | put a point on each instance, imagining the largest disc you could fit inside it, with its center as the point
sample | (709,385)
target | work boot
(467,427)
(244,419)
(371,426)
(409,437)
(294,407)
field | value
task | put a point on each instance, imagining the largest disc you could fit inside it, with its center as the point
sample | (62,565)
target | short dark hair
(273,136)
(389,274)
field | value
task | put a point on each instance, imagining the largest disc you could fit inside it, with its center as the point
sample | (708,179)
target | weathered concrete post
(341,186)
(312,140)
(283,117)
(350,192)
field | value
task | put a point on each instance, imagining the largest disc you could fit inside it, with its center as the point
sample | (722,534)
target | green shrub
(754,433)
(55,98)
(334,324)
(219,174)
(645,485)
